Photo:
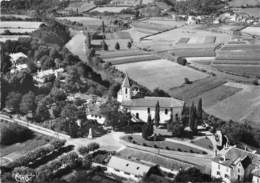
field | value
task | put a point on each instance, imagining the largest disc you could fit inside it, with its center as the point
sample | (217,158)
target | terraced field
(160,73)
(242,70)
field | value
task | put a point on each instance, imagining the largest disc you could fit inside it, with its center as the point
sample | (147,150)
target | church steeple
(125,93)
(126,82)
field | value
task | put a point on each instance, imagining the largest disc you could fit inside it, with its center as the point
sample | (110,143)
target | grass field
(168,145)
(135,155)
(203,142)
(131,59)
(109,9)
(84,20)
(160,73)
(121,53)
(189,91)
(245,104)
(20,24)
(243,70)
(252,30)
(15,150)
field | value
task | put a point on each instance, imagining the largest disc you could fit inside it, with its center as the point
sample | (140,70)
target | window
(218,173)
(218,166)
(125,90)
(148,110)
(166,111)
(137,115)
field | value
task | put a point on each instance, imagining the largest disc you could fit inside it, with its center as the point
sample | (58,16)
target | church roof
(164,102)
(126,82)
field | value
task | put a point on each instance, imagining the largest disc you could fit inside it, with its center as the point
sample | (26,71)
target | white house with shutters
(141,107)
(235,165)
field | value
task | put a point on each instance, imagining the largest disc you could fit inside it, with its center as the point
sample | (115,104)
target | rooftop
(164,102)
(235,155)
(127,166)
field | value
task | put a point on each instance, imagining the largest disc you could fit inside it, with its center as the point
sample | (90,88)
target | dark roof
(164,102)
(235,155)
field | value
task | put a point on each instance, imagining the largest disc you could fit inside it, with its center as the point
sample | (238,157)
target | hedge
(86,149)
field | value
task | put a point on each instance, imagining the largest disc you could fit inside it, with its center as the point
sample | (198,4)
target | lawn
(160,73)
(203,142)
(190,91)
(167,145)
(139,156)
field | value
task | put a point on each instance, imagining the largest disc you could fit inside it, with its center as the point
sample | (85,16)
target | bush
(255,82)
(155,146)
(93,146)
(187,81)
(83,150)
(144,144)
(13,133)
(130,138)
(134,142)
(181,61)
(86,162)
(58,143)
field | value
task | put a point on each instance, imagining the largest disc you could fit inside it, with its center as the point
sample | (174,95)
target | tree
(103,27)
(129,45)
(24,172)
(147,130)
(160,93)
(13,100)
(192,118)
(117,46)
(86,162)
(27,103)
(181,61)
(157,114)
(177,130)
(46,62)
(88,40)
(185,114)
(6,63)
(199,111)
(42,110)
(104,45)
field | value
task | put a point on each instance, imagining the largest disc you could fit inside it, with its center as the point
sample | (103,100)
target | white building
(234,164)
(256,176)
(141,107)
(127,169)
(15,56)
(41,75)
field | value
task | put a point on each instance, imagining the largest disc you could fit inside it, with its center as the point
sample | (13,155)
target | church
(141,107)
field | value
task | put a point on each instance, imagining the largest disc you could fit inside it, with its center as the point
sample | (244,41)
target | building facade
(142,107)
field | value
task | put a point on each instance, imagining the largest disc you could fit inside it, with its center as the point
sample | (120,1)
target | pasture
(252,30)
(160,73)
(243,105)
(109,9)
(84,20)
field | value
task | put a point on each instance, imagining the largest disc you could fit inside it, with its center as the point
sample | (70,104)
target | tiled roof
(164,102)
(127,166)
(235,155)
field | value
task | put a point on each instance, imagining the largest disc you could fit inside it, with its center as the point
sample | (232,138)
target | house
(127,169)
(233,164)
(18,67)
(256,176)
(15,56)
(141,107)
(41,76)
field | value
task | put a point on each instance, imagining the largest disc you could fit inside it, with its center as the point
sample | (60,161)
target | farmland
(84,20)
(243,70)
(151,28)
(239,3)
(252,30)
(248,101)
(109,9)
(4,38)
(160,73)
(19,26)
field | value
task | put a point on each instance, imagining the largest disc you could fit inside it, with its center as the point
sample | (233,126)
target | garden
(167,145)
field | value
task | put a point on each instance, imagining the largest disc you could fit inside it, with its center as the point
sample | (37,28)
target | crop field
(84,20)
(252,30)
(4,38)
(109,9)
(150,28)
(200,50)
(121,53)
(245,104)
(237,62)
(243,70)
(136,155)
(189,91)
(161,21)
(20,24)
(160,73)
(131,59)
(239,3)
(203,142)
(118,35)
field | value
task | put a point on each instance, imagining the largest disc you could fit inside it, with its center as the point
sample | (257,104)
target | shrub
(134,142)
(167,148)
(86,162)
(13,133)
(144,144)
(93,146)
(181,61)
(117,46)
(83,150)
(187,81)
(130,138)
(255,82)
(179,149)
(155,146)
(191,151)
(58,143)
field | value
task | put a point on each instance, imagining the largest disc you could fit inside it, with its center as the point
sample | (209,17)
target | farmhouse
(234,164)
(141,107)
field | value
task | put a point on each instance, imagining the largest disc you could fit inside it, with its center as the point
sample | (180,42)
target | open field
(190,31)
(252,30)
(84,20)
(118,35)
(245,104)
(243,70)
(112,42)
(14,15)
(131,59)
(160,73)
(189,91)
(150,28)
(20,24)
(161,21)
(251,11)
(109,9)
(135,155)
(121,53)
(4,38)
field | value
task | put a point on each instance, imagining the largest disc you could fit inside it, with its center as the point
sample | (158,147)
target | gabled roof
(234,155)
(164,102)
(127,166)
(126,82)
